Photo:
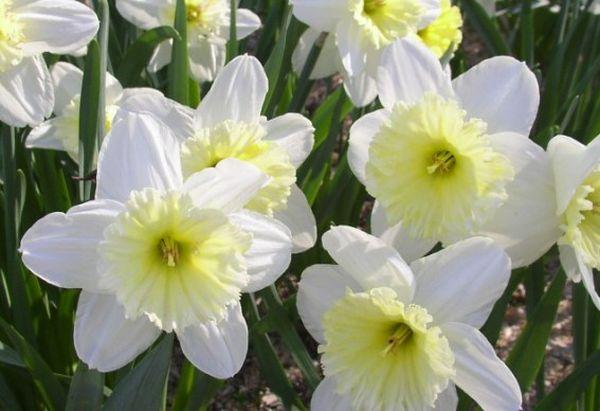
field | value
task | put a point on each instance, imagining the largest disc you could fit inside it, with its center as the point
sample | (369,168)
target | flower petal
(351,45)
(67,79)
(206,59)
(321,285)
(237,94)
(587,275)
(479,372)
(503,92)
(26,93)
(56,26)
(526,225)
(62,248)
(475,267)
(569,262)
(299,218)
(271,250)
(295,133)
(407,70)
(409,248)
(431,11)
(144,14)
(362,89)
(572,163)
(104,339)
(246,23)
(139,152)
(218,349)
(318,14)
(325,397)
(361,135)
(328,61)
(56,134)
(447,400)
(161,56)
(227,187)
(369,261)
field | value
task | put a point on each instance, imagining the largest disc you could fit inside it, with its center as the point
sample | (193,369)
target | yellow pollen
(170,251)
(401,335)
(442,162)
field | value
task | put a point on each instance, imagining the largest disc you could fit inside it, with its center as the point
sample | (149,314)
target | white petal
(161,56)
(501,91)
(463,281)
(218,349)
(104,339)
(526,225)
(56,26)
(479,372)
(328,61)
(295,133)
(56,134)
(145,14)
(271,250)
(67,80)
(139,152)
(361,135)
(587,275)
(113,89)
(325,398)
(299,218)
(62,248)
(447,400)
(237,94)
(489,6)
(321,285)
(369,261)
(246,23)
(572,163)
(318,14)
(408,69)
(206,59)
(409,248)
(177,117)
(26,93)
(352,46)
(569,262)
(581,271)
(431,11)
(226,187)
(362,88)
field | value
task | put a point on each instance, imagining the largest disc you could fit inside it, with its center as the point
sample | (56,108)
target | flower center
(205,17)
(244,142)
(385,354)
(581,220)
(383,21)
(172,262)
(435,170)
(11,35)
(443,32)
(194,14)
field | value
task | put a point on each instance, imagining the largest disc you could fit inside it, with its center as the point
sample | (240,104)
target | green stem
(232,45)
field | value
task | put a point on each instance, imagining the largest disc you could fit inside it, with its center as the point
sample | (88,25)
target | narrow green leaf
(85,391)
(527,355)
(104,16)
(138,55)
(179,67)
(567,392)
(8,401)
(304,83)
(45,381)
(204,390)
(232,44)
(486,27)
(10,356)
(143,388)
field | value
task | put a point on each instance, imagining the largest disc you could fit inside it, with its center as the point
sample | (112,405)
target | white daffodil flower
(153,253)
(62,132)
(228,124)
(207,30)
(577,176)
(447,160)
(360,29)
(29,28)
(398,337)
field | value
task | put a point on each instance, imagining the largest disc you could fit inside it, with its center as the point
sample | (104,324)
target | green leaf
(10,356)
(8,401)
(304,83)
(104,16)
(232,44)
(85,391)
(179,67)
(195,389)
(486,27)
(527,355)
(48,386)
(138,55)
(144,387)
(569,390)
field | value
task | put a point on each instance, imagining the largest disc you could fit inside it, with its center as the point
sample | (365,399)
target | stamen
(402,334)
(194,14)
(170,251)
(443,162)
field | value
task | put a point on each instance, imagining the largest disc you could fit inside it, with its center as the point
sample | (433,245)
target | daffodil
(577,176)
(208,31)
(156,253)
(62,131)
(360,30)
(29,28)
(399,337)
(228,124)
(447,160)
